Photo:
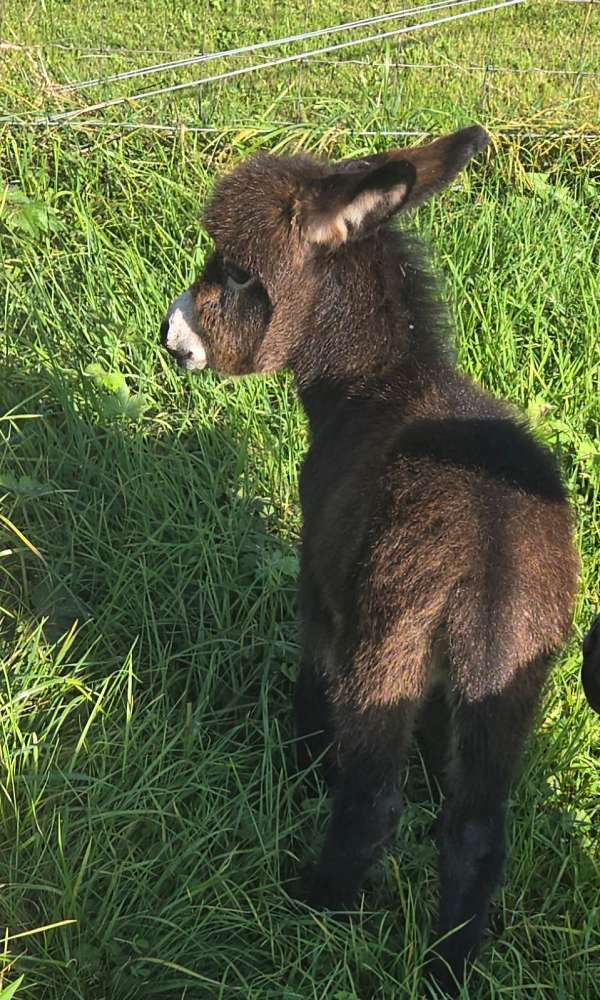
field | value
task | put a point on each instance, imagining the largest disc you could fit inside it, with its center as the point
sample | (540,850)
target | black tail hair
(590,671)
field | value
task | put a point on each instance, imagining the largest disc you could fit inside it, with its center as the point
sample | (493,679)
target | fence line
(245,49)
(108,51)
(282,60)
(317,56)
(455,67)
(182,127)
(268,44)
(465,67)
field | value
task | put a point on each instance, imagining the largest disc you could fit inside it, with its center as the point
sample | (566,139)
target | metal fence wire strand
(282,60)
(215,130)
(268,44)
(318,55)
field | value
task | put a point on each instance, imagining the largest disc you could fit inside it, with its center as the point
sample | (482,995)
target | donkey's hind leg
(433,737)
(376,699)
(487,739)
(371,746)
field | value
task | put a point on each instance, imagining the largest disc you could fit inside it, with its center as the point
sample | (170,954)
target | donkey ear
(438,163)
(345,205)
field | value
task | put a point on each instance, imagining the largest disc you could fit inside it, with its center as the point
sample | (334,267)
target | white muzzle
(178,336)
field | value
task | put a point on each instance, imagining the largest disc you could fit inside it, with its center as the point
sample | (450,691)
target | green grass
(149,522)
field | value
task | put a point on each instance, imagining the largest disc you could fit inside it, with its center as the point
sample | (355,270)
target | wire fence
(68,102)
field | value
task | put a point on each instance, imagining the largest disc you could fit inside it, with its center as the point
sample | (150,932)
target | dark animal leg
(433,736)
(487,739)
(314,724)
(590,671)
(366,806)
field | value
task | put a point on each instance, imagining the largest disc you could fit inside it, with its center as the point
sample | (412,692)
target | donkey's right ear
(344,206)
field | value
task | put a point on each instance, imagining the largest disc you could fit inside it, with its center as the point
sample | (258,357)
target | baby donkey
(437,569)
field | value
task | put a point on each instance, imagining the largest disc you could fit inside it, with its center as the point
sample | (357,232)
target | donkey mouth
(178,337)
(187,360)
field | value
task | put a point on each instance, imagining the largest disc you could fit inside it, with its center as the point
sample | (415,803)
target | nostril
(164,332)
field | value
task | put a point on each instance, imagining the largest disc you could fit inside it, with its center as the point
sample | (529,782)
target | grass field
(149,813)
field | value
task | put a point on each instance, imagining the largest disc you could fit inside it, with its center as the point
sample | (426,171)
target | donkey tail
(590,671)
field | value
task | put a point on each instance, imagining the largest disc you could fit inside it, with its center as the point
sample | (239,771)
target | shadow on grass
(152,796)
(146,532)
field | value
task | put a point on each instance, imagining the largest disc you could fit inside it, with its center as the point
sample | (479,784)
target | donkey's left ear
(439,162)
(345,205)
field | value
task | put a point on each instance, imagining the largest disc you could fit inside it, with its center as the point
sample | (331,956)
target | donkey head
(294,238)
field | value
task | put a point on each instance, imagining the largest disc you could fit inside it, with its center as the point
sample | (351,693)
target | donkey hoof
(439,975)
(321,892)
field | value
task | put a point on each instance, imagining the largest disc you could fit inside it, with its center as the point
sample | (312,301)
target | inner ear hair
(436,164)
(345,205)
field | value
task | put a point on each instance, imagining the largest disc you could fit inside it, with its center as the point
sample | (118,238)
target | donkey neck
(394,396)
(378,331)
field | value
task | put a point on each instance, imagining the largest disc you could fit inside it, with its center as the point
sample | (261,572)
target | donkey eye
(236,277)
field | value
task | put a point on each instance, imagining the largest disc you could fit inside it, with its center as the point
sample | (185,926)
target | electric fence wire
(282,60)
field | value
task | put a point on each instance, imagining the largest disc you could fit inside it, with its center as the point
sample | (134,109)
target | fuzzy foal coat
(437,572)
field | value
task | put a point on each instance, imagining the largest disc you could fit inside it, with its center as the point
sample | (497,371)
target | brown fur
(437,556)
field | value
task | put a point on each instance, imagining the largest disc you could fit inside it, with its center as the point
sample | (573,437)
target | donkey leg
(433,736)
(314,722)
(487,740)
(590,671)
(367,801)
(312,704)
